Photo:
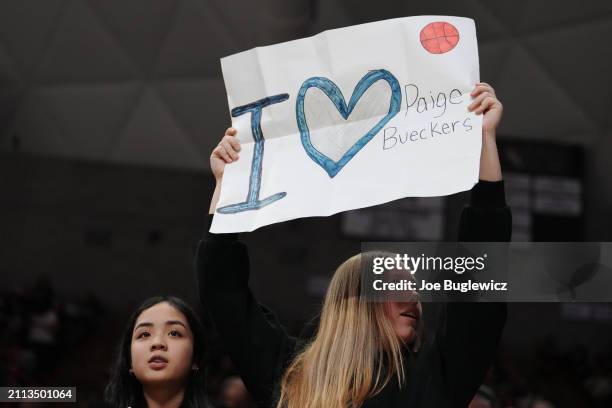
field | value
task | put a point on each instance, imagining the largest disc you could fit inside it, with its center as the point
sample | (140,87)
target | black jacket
(447,370)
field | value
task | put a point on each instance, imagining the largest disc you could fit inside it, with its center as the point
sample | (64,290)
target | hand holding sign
(485,101)
(227,151)
(351,118)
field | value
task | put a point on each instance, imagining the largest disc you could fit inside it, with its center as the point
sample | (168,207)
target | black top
(447,370)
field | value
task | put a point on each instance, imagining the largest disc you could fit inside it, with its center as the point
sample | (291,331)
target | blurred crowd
(53,340)
(39,328)
(546,376)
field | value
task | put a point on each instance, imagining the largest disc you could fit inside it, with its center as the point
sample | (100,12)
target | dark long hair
(124,390)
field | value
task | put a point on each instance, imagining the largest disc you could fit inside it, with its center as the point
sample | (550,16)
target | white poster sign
(351,118)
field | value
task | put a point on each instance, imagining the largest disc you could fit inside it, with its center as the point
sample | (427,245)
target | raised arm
(487,217)
(227,151)
(470,332)
(486,103)
(255,341)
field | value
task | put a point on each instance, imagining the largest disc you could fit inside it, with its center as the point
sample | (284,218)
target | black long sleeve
(470,331)
(257,343)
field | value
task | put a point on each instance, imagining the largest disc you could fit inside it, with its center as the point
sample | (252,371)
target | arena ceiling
(139,81)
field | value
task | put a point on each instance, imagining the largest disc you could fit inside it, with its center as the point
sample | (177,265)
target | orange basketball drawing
(439,37)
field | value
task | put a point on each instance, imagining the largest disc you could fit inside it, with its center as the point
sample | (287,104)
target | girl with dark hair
(161,358)
(364,354)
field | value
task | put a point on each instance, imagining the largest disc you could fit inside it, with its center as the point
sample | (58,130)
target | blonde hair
(354,353)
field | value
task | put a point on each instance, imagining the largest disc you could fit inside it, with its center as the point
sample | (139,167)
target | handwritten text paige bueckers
(436,104)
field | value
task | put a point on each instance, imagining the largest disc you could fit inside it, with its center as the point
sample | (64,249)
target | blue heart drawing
(335,95)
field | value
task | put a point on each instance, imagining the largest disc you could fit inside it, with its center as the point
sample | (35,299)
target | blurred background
(109,110)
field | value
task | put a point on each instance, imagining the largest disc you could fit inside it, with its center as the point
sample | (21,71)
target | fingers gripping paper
(351,118)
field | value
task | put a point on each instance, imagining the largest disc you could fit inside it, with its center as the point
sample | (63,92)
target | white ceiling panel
(552,14)
(81,50)
(200,107)
(26,27)
(537,106)
(575,57)
(92,116)
(152,135)
(139,26)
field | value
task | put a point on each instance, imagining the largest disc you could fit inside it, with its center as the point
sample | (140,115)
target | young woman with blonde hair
(364,353)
